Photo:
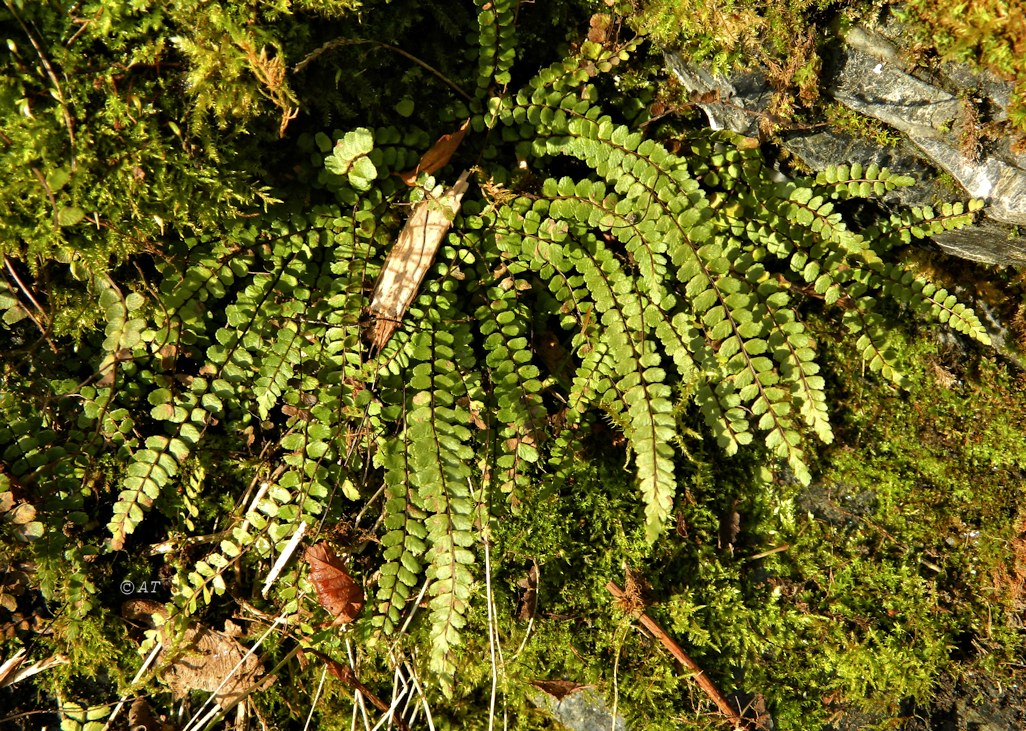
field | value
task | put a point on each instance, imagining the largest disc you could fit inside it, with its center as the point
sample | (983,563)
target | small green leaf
(404,107)
(70,215)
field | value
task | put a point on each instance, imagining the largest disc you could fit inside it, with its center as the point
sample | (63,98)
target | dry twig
(707,686)
(346,675)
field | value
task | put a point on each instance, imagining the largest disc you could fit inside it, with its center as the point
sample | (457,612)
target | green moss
(988,34)
(857,591)
(861,126)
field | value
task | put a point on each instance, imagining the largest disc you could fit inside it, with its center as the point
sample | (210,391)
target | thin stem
(707,686)
(339,42)
(53,79)
(24,290)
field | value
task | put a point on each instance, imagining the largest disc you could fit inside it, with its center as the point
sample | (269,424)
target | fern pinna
(669,279)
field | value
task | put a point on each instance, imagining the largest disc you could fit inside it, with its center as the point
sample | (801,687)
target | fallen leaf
(12,664)
(202,659)
(558,689)
(142,718)
(409,260)
(438,156)
(206,660)
(336,590)
(528,604)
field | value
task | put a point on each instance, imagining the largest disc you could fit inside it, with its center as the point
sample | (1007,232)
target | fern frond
(721,408)
(841,182)
(872,341)
(496,37)
(793,349)
(927,299)
(515,383)
(923,221)
(149,471)
(405,537)
(440,455)
(652,435)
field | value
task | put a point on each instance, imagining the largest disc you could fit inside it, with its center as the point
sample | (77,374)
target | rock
(988,242)
(581,709)
(973,702)
(936,114)
(740,101)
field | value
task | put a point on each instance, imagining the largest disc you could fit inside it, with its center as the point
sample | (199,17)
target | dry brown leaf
(14,670)
(528,604)
(409,260)
(336,590)
(202,659)
(304,414)
(598,30)
(438,156)
(207,659)
(558,689)
(142,718)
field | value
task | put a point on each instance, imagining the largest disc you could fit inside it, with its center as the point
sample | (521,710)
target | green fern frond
(923,221)
(496,38)
(405,537)
(841,182)
(150,471)
(514,381)
(440,456)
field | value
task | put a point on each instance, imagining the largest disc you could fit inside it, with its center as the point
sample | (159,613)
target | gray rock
(743,98)
(987,242)
(880,89)
(1002,184)
(867,74)
(582,710)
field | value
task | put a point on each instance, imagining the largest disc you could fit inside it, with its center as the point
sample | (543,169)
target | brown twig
(707,686)
(338,42)
(25,290)
(346,675)
(770,552)
(42,324)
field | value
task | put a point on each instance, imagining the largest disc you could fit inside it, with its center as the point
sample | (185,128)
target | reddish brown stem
(346,675)
(674,649)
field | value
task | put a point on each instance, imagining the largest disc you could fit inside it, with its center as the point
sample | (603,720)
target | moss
(861,126)
(988,34)
(860,591)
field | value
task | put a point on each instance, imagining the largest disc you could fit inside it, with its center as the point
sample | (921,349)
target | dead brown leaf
(598,30)
(141,718)
(558,689)
(202,659)
(409,260)
(528,604)
(438,156)
(304,414)
(207,659)
(336,590)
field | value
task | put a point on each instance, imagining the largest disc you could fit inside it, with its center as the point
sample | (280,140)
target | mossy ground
(787,38)
(902,565)
(899,569)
